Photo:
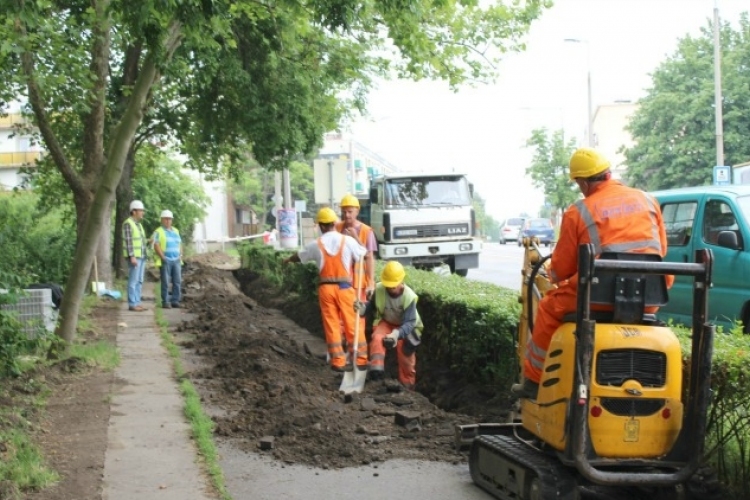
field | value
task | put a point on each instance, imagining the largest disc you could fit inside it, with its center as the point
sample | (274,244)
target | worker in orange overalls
(397,324)
(363,233)
(335,254)
(615,218)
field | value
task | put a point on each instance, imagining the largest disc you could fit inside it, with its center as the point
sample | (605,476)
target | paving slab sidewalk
(150,454)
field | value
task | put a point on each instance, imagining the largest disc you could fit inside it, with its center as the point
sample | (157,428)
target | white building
(610,135)
(16,150)
(362,164)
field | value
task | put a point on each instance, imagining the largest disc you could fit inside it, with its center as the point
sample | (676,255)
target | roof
(407,175)
(733,189)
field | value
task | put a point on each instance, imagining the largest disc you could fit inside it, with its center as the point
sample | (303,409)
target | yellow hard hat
(393,274)
(587,162)
(349,201)
(326,216)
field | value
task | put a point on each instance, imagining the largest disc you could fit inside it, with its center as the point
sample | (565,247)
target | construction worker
(134,251)
(615,218)
(397,324)
(335,254)
(168,258)
(361,232)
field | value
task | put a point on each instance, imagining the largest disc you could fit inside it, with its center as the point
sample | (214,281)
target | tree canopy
(219,77)
(674,126)
(549,167)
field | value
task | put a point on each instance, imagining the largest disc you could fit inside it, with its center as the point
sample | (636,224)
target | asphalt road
(501,264)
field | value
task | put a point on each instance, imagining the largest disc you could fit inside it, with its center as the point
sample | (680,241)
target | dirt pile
(266,376)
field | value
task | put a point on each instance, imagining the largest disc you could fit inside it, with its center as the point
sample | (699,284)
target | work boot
(375,375)
(166,305)
(527,390)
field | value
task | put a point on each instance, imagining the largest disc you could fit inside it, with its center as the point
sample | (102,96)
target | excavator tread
(556,480)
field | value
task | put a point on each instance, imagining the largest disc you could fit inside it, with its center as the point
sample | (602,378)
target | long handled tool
(354,380)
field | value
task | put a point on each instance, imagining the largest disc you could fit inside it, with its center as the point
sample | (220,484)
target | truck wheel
(462,272)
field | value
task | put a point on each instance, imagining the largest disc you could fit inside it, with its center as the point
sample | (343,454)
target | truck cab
(425,220)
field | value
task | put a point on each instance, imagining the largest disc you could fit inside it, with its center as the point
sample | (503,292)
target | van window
(719,217)
(678,221)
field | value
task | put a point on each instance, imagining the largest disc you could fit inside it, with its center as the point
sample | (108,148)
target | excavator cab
(615,410)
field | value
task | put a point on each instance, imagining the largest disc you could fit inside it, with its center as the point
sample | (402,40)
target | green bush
(38,245)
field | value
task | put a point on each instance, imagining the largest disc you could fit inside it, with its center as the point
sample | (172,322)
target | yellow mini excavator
(617,414)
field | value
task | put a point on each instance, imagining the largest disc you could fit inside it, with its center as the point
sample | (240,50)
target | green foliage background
(673,128)
(37,243)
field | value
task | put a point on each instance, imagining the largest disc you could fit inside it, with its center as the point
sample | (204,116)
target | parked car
(718,218)
(541,228)
(510,229)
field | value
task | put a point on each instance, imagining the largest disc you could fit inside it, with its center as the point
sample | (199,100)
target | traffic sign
(722,175)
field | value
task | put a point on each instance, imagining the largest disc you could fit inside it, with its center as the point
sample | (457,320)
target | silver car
(510,229)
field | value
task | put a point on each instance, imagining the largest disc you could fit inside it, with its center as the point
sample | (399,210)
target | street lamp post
(590,116)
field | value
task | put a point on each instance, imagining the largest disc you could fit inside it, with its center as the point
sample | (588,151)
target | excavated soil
(264,379)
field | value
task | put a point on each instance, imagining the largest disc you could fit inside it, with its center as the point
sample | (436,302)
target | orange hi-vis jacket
(364,234)
(615,218)
(337,306)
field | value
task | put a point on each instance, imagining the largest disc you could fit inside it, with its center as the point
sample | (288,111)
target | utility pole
(717,89)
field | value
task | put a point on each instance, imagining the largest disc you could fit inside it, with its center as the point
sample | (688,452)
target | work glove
(360,307)
(391,339)
(369,292)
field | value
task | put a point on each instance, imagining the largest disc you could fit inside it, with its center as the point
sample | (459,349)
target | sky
(482,131)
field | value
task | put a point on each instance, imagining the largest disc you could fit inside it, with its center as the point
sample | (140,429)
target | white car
(510,229)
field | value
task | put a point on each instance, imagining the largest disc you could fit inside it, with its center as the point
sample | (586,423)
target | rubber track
(556,480)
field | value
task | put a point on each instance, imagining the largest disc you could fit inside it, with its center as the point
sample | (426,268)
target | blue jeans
(170,272)
(135,281)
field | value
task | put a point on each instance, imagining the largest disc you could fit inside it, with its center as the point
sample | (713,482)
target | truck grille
(630,407)
(431,231)
(649,368)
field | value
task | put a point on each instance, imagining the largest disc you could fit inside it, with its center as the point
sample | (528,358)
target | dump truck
(425,220)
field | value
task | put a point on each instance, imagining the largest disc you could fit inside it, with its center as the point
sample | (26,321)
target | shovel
(354,381)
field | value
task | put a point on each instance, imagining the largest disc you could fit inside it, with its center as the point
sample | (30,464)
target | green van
(715,217)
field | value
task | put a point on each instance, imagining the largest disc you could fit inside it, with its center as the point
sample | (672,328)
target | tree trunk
(99,214)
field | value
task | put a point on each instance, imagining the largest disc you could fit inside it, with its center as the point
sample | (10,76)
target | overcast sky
(482,131)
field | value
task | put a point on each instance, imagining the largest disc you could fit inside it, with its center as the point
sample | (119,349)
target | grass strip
(201,425)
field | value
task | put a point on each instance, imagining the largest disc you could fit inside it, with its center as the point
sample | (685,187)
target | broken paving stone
(403,418)
(377,439)
(402,401)
(278,349)
(368,404)
(266,442)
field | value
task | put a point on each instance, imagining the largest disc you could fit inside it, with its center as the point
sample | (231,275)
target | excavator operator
(613,217)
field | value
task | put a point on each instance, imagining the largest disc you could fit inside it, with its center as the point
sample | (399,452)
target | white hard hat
(136,205)
(167,214)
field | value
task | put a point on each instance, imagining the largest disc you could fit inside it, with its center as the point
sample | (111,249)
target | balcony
(12,119)
(11,160)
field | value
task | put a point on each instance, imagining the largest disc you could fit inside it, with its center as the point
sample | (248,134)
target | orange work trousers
(362,324)
(337,305)
(407,363)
